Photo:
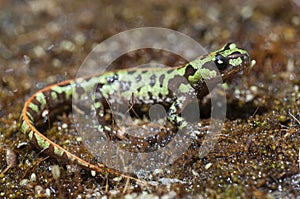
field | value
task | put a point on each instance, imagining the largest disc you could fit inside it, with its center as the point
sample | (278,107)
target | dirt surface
(257,154)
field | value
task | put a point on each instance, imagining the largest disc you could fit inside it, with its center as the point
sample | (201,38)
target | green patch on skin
(69,90)
(24,126)
(34,107)
(235,62)
(185,88)
(41,142)
(30,116)
(97,105)
(30,135)
(41,98)
(201,74)
(207,74)
(58,89)
(107,128)
(66,90)
(58,152)
(70,157)
(53,95)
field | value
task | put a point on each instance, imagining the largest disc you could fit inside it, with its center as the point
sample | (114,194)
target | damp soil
(256,154)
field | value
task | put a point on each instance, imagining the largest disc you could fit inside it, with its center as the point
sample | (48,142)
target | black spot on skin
(130,72)
(179,123)
(150,95)
(170,94)
(112,79)
(61,97)
(98,88)
(189,71)
(51,149)
(50,103)
(47,94)
(65,157)
(177,109)
(161,80)
(35,143)
(170,71)
(160,96)
(79,90)
(125,86)
(152,80)
(227,46)
(32,113)
(138,78)
(37,103)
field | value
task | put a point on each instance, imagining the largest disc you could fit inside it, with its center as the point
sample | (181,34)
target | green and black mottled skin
(141,86)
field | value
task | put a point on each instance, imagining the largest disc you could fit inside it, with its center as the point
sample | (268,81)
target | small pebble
(55,172)
(33,177)
(38,189)
(48,192)
(208,165)
(93,173)
(24,182)
(10,157)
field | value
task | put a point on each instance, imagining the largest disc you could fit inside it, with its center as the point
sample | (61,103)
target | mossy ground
(257,153)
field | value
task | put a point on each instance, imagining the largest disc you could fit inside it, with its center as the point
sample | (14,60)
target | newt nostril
(246,58)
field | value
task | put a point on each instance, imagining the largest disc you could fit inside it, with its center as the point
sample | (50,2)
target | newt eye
(221,62)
